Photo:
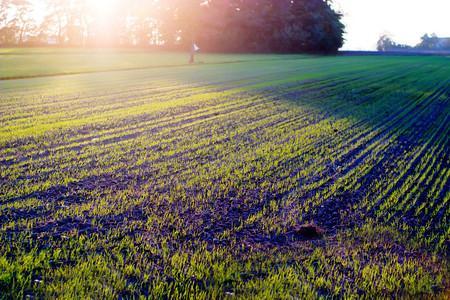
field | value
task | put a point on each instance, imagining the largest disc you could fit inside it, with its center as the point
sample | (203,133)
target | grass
(35,62)
(194,180)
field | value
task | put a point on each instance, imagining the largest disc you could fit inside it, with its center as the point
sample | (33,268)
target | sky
(404,20)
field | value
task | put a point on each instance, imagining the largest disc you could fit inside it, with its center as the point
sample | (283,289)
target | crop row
(195,180)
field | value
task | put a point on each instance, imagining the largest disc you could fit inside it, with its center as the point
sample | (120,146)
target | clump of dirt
(309,230)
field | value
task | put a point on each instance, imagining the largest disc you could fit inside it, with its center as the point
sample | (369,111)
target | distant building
(442,44)
(434,43)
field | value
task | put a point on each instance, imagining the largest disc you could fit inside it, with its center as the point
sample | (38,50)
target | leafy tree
(15,21)
(7,30)
(385,43)
(66,20)
(216,25)
(273,26)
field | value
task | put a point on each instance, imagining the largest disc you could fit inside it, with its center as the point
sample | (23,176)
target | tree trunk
(22,30)
(191,60)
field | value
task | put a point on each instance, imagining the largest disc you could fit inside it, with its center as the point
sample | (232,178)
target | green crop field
(257,177)
(36,62)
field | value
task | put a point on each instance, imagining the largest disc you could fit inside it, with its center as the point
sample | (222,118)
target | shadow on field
(377,125)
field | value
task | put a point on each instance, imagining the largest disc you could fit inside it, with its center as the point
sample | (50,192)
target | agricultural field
(259,177)
(18,63)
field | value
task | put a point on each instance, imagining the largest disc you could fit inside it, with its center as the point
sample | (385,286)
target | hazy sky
(405,20)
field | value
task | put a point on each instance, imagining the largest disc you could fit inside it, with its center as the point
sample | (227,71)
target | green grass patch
(36,62)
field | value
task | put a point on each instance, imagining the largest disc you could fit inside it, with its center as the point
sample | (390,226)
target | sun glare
(104,8)
(104,11)
(104,5)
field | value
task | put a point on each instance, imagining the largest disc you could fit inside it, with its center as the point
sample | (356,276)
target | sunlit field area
(36,62)
(245,176)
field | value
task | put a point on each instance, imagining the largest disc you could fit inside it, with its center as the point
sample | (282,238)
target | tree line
(276,26)
(428,43)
